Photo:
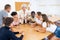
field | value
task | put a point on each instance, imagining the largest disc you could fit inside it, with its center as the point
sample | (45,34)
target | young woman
(16,19)
(50,26)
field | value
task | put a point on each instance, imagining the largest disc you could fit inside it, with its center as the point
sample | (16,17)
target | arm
(13,37)
(38,21)
(52,28)
(16,32)
(4,15)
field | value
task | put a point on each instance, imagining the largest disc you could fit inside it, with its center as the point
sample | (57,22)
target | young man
(39,18)
(4,13)
(31,18)
(6,33)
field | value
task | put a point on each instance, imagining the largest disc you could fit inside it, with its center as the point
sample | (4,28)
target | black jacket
(6,34)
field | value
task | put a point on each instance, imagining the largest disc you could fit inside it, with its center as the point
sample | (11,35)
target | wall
(45,6)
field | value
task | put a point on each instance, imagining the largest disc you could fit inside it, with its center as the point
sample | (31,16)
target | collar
(7,27)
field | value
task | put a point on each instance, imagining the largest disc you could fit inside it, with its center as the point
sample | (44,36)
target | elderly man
(23,14)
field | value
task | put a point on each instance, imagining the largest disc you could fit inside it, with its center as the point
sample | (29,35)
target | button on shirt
(2,15)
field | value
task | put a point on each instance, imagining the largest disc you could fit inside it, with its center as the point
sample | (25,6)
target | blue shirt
(6,34)
(2,15)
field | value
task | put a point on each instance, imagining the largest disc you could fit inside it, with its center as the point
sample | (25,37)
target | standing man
(4,13)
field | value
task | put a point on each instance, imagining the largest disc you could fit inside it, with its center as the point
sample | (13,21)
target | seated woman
(6,33)
(51,27)
(48,25)
(16,19)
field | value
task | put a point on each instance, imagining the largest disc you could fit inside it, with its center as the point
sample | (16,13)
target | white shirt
(50,28)
(22,14)
(38,21)
(44,24)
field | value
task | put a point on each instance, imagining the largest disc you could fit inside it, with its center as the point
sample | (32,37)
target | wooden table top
(30,33)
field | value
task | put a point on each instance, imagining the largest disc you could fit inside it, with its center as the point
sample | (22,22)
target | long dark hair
(45,19)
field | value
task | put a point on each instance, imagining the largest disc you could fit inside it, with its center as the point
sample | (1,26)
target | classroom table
(30,33)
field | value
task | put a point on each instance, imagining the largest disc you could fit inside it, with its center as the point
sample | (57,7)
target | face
(37,16)
(24,8)
(15,17)
(41,18)
(11,25)
(32,14)
(9,9)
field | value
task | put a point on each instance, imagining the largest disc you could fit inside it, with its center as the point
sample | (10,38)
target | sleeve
(18,14)
(16,32)
(38,21)
(52,28)
(44,24)
(12,36)
(5,15)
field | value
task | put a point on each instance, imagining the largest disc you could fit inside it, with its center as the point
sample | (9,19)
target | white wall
(45,6)
(3,2)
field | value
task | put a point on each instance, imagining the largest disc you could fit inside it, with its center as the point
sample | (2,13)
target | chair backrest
(57,23)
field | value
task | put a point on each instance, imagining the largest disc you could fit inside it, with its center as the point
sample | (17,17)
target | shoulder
(1,11)
(10,32)
(53,25)
(44,24)
(21,11)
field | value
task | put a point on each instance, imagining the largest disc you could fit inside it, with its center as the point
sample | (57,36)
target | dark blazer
(6,34)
